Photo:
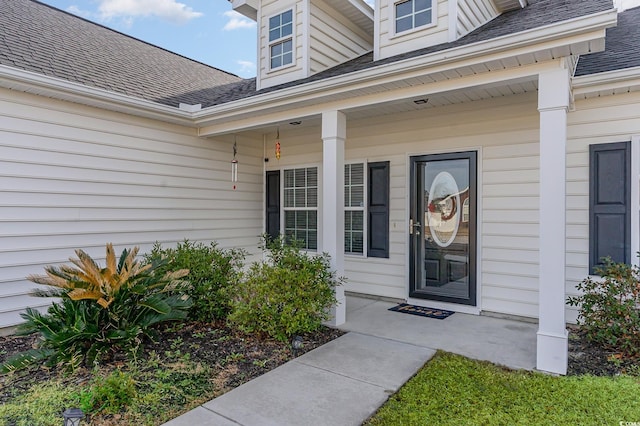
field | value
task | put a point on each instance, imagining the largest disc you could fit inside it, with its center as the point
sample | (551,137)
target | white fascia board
(57,88)
(551,36)
(609,80)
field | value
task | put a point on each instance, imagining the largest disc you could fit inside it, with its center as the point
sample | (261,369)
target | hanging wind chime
(234,164)
(278,144)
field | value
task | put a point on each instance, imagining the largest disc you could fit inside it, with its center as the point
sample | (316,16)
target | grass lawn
(453,390)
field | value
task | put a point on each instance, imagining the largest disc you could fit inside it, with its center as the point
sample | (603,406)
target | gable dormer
(407,25)
(299,38)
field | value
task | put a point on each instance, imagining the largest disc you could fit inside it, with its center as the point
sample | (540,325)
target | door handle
(414,227)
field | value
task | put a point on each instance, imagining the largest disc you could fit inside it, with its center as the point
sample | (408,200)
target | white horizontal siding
(594,121)
(332,38)
(73,177)
(389,44)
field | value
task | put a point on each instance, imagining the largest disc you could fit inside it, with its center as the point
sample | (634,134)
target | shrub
(290,293)
(610,307)
(101,310)
(211,271)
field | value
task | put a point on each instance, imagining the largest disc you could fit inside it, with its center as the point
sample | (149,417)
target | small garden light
(296,344)
(72,416)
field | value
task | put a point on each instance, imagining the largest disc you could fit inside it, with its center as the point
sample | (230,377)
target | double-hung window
(301,206)
(410,14)
(354,208)
(281,39)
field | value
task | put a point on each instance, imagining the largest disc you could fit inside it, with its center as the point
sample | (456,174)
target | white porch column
(553,103)
(334,132)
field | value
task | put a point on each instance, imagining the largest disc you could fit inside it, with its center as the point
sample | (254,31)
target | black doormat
(422,311)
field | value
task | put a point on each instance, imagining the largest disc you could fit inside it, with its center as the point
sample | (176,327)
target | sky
(208,31)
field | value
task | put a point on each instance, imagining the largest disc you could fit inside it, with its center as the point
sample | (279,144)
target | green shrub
(101,310)
(110,394)
(288,294)
(610,307)
(211,271)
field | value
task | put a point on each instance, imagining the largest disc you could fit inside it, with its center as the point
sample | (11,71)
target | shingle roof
(622,47)
(39,38)
(538,13)
(42,39)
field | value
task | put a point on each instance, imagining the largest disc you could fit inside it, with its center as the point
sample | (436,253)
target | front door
(443,227)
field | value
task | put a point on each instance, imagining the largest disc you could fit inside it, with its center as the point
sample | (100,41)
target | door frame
(473,304)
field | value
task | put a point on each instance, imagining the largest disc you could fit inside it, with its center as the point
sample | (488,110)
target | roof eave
(57,88)
(591,84)
(595,23)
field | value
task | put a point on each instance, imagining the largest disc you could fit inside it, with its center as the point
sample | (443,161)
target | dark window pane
(357,220)
(357,245)
(422,5)
(287,16)
(403,9)
(404,24)
(286,30)
(276,50)
(287,58)
(423,18)
(274,22)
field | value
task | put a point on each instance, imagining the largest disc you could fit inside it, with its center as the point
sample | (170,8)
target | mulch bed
(588,358)
(213,344)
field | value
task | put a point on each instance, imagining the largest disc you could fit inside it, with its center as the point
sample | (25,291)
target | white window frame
(281,40)
(392,14)
(363,209)
(318,208)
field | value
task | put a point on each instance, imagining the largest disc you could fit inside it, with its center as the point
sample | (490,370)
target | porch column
(553,103)
(334,131)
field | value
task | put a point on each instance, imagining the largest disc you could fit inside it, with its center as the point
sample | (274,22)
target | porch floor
(347,380)
(507,342)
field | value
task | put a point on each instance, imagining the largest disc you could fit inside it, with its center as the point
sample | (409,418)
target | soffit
(356,11)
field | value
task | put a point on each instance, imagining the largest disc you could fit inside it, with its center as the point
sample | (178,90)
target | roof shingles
(42,39)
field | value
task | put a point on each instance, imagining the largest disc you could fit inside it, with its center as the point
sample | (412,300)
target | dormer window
(412,14)
(281,39)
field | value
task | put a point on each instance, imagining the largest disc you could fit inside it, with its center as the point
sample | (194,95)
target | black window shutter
(378,209)
(609,203)
(272,196)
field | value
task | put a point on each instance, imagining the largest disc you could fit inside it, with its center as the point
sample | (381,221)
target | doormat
(422,311)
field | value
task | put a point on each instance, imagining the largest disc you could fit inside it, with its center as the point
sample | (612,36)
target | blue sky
(205,30)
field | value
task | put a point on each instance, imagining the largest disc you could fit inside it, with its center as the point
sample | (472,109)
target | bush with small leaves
(289,293)
(610,307)
(211,271)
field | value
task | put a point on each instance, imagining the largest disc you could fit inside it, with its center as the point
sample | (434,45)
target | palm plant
(101,310)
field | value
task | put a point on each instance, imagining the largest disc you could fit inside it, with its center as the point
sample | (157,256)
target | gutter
(54,87)
(434,62)
(609,80)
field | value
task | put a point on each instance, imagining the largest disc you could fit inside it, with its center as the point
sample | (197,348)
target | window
(301,206)
(354,208)
(280,39)
(412,14)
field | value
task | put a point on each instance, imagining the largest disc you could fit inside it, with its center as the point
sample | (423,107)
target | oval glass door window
(443,209)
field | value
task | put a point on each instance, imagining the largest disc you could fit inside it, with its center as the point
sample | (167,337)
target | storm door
(442,227)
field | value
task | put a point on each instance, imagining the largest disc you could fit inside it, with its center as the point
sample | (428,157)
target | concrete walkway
(345,381)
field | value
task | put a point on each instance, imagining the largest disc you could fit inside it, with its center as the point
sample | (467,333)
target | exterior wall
(506,133)
(75,177)
(299,68)
(594,121)
(387,43)
(332,38)
(472,14)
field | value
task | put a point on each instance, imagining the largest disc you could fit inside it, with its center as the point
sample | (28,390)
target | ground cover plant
(123,345)
(453,390)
